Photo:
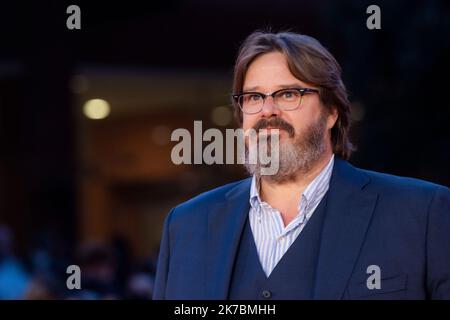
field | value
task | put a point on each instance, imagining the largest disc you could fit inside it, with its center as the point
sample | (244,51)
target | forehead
(269,71)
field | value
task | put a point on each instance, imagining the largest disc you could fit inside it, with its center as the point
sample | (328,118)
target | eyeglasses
(285,99)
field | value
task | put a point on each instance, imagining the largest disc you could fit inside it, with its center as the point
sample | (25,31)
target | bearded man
(318,228)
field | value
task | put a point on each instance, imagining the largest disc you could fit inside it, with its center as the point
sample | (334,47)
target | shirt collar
(313,191)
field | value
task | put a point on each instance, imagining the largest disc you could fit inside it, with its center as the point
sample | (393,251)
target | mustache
(276,123)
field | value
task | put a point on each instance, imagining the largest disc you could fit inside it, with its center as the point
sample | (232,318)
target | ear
(332,118)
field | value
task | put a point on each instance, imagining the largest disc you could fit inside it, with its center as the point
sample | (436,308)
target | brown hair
(309,62)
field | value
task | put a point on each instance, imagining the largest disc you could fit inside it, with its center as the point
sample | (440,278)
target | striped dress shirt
(271,237)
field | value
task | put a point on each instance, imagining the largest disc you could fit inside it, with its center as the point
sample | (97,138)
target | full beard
(297,155)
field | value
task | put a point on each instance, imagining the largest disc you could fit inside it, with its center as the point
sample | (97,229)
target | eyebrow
(281,86)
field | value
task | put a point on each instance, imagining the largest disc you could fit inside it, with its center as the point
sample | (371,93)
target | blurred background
(86,117)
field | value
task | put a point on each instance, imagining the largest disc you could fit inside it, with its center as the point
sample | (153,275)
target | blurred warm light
(161,135)
(96,109)
(221,116)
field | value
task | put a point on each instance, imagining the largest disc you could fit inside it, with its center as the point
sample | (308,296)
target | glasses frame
(302,92)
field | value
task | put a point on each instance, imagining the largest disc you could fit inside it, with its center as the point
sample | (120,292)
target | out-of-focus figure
(14,279)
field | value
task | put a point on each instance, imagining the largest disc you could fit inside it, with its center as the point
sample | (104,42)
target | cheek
(248,121)
(304,119)
(295,120)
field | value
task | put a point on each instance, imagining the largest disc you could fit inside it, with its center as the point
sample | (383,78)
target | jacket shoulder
(398,186)
(204,202)
(405,196)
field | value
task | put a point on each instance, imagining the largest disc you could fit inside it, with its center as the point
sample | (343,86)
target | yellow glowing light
(221,116)
(96,109)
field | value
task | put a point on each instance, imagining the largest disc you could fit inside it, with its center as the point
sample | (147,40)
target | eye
(289,95)
(254,97)
(251,98)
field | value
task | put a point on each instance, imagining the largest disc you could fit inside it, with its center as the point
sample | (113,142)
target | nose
(270,109)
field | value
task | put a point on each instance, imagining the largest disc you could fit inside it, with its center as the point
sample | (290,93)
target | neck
(285,196)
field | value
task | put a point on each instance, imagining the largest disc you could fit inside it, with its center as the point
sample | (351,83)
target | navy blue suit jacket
(400,224)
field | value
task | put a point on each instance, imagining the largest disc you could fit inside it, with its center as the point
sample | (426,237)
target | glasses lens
(251,102)
(288,99)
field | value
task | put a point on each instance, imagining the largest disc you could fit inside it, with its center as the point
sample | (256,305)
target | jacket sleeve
(162,269)
(438,245)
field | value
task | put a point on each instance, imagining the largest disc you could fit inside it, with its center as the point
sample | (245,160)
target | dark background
(397,78)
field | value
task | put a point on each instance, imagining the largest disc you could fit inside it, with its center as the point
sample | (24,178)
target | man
(319,228)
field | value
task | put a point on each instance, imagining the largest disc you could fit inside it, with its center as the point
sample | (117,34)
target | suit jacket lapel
(349,211)
(225,227)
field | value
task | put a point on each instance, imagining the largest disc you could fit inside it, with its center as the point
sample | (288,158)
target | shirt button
(266,294)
